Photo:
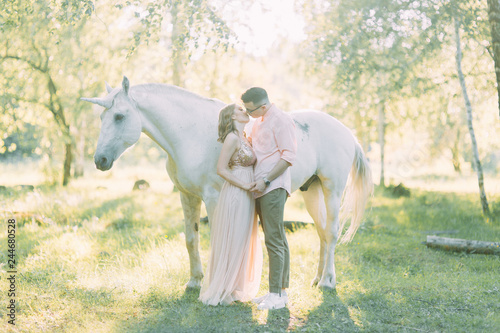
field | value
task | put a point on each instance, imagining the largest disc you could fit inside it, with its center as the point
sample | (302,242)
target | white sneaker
(284,296)
(273,302)
(260,299)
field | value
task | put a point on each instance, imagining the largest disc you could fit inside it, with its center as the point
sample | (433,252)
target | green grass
(112,260)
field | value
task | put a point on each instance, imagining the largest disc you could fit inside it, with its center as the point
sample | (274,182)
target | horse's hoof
(314,283)
(188,287)
(327,288)
(193,285)
(327,284)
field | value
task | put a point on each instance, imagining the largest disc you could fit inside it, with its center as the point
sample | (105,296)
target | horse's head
(121,125)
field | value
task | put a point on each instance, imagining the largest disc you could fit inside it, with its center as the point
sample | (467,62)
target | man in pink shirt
(273,140)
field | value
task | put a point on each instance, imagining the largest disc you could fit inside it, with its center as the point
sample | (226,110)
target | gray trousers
(270,208)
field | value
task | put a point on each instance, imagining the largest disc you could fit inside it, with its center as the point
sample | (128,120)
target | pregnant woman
(235,264)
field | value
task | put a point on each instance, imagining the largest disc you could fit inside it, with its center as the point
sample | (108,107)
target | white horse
(184,124)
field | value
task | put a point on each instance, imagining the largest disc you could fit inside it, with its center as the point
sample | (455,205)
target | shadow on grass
(332,315)
(186,314)
(30,238)
(277,321)
(102,208)
(126,214)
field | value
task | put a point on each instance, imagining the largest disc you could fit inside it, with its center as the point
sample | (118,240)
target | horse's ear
(108,87)
(125,85)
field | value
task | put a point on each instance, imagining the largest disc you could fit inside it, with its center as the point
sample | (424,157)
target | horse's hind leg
(333,199)
(315,205)
(191,206)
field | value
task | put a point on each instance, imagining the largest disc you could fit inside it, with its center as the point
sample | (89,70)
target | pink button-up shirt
(273,138)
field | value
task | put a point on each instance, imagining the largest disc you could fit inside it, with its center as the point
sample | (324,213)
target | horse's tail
(356,195)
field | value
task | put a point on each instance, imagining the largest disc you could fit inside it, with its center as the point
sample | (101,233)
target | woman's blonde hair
(226,124)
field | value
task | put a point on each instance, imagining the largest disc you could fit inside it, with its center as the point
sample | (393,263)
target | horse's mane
(173,91)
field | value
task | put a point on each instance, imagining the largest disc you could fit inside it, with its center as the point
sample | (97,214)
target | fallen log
(463,245)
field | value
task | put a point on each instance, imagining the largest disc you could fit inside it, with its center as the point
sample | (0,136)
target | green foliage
(42,59)
(373,50)
(25,139)
(198,25)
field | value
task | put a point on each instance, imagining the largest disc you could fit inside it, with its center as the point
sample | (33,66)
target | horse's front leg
(191,206)
(210,197)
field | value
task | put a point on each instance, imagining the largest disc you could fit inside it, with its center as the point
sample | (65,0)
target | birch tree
(468,108)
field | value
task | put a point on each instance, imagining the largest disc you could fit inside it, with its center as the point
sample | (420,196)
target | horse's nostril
(100,161)
(103,163)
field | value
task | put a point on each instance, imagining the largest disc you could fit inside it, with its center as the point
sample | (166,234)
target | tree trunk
(455,153)
(468,107)
(67,163)
(381,140)
(80,151)
(494,18)
(361,131)
(56,107)
(177,47)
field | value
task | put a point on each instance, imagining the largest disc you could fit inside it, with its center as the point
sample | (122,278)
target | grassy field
(99,257)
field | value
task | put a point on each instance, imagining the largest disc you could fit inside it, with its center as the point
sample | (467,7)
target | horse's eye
(119,117)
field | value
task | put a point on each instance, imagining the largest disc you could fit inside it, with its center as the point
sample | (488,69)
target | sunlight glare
(261,25)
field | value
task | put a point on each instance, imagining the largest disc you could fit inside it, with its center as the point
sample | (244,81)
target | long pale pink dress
(235,264)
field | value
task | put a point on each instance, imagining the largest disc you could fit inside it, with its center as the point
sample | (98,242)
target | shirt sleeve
(286,139)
